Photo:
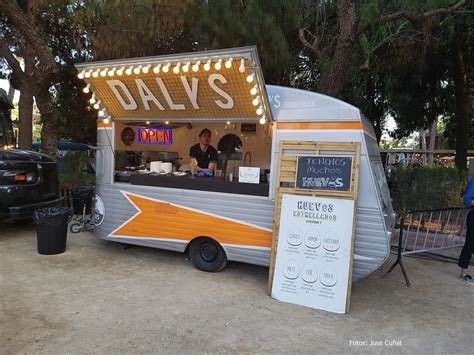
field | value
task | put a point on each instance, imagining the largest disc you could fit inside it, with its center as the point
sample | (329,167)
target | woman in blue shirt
(468,248)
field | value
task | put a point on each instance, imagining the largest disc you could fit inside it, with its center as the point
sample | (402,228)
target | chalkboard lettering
(324,173)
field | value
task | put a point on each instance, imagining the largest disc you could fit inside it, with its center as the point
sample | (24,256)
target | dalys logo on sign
(324,173)
(155,136)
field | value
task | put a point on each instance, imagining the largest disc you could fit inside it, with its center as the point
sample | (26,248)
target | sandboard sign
(314,252)
(324,173)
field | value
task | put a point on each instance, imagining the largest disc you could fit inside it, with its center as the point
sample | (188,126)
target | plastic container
(81,196)
(51,229)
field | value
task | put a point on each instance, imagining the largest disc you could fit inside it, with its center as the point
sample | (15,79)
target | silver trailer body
(299,115)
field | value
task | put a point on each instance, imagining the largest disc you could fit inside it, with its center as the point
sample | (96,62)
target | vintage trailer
(213,218)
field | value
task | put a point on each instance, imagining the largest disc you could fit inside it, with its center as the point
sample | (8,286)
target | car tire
(207,255)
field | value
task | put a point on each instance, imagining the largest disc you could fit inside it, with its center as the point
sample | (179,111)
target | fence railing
(428,231)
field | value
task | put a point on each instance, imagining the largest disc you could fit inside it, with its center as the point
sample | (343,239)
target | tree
(24,27)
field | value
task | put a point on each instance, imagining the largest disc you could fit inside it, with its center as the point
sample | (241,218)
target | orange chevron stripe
(163,220)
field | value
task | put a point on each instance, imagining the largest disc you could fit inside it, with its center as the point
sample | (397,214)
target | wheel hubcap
(208,252)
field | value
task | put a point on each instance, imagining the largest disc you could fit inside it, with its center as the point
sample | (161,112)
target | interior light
(259,111)
(242,65)
(166,68)
(253,90)
(176,68)
(146,68)
(228,63)
(103,73)
(196,66)
(97,105)
(86,89)
(186,67)
(147,122)
(156,69)
(81,75)
(120,71)
(129,70)
(256,101)
(96,73)
(218,64)
(262,120)
(92,99)
(207,66)
(228,122)
(167,122)
(137,70)
(250,78)
(88,74)
(106,121)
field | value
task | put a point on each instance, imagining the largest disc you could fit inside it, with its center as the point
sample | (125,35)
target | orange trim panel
(164,220)
(104,125)
(324,125)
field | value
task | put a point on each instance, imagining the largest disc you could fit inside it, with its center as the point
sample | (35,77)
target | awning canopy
(219,85)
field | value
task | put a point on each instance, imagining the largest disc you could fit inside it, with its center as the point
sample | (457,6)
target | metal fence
(429,231)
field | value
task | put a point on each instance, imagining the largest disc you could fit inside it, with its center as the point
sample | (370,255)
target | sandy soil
(98,297)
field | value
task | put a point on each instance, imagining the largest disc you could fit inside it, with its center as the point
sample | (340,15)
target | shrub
(426,187)
(77,169)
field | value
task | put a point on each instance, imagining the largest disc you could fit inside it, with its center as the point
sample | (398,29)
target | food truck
(152,111)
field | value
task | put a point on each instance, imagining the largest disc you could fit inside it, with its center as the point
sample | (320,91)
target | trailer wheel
(207,255)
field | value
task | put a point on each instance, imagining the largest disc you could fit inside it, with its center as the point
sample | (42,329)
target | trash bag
(51,229)
(82,196)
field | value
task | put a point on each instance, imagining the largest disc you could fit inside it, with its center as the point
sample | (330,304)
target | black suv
(28,180)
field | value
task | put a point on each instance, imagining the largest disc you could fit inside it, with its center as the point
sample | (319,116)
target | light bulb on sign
(137,70)
(166,68)
(253,90)
(88,73)
(146,68)
(259,111)
(207,66)
(120,71)
(96,73)
(156,69)
(228,63)
(81,75)
(242,65)
(250,78)
(86,89)
(218,64)
(176,68)
(103,73)
(102,112)
(196,66)
(111,72)
(92,99)
(97,105)
(256,101)
(262,120)
(129,70)
(186,67)
(106,120)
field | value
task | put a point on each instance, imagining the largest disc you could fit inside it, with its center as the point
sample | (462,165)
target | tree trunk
(423,144)
(50,118)
(462,108)
(25,104)
(431,146)
(346,12)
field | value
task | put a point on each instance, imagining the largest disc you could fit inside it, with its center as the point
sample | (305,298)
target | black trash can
(81,196)
(51,229)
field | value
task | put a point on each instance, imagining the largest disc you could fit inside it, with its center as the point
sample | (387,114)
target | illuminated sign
(155,136)
(214,85)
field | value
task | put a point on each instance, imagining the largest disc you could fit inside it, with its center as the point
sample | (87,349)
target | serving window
(158,154)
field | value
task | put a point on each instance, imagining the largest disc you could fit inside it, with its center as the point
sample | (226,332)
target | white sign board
(314,252)
(249,175)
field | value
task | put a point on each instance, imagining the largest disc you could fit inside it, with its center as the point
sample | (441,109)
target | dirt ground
(98,297)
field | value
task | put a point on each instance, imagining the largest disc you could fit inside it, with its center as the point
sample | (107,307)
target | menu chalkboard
(324,173)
